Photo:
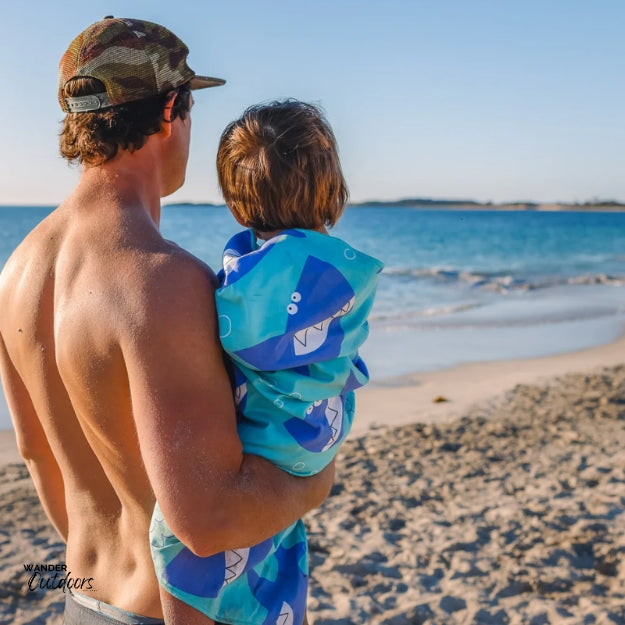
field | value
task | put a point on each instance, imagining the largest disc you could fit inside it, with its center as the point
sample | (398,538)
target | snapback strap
(85,103)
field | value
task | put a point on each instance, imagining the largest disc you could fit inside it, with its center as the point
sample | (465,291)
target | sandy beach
(500,503)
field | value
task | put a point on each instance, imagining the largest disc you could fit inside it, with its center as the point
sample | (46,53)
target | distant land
(420,203)
(442,204)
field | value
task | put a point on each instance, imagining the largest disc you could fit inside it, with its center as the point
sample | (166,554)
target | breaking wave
(499,281)
(434,311)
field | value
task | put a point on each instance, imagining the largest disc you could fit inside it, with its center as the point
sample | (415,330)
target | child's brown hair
(279,168)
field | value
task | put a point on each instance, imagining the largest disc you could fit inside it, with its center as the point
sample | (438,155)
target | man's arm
(33,446)
(212,495)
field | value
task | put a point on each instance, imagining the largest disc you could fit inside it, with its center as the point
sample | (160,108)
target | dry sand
(503,505)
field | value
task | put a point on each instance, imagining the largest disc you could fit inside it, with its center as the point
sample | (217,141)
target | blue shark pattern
(292,315)
(322,427)
(241,256)
(182,571)
(285,598)
(313,329)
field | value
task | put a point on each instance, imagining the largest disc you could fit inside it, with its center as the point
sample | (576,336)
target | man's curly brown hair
(96,137)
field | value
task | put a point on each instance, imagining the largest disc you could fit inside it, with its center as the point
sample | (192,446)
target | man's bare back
(69,295)
(114,377)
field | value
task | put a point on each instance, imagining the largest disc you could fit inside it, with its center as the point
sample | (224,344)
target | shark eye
(296,297)
(309,409)
(292,309)
(317,403)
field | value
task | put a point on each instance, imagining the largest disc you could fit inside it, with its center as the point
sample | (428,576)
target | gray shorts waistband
(82,610)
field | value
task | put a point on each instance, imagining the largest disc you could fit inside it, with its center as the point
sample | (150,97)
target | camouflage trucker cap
(134,59)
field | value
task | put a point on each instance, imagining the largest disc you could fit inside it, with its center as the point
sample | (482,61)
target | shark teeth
(236,559)
(334,416)
(239,393)
(286,615)
(312,338)
(345,309)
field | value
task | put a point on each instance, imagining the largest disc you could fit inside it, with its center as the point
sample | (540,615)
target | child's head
(279,168)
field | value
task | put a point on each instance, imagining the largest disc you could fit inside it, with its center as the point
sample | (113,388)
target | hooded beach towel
(292,316)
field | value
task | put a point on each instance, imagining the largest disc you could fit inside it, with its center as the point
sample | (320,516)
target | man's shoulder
(176,268)
(32,250)
(161,284)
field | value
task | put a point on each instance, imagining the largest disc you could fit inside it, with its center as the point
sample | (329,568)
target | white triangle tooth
(301,336)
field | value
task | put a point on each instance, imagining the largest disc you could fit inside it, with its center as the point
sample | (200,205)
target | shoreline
(410,398)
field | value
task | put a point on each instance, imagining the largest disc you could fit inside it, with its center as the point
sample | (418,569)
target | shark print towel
(292,315)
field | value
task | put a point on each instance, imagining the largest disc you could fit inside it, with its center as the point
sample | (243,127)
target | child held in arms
(293,310)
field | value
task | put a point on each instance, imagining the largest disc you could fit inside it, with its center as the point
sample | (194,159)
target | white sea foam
(498,281)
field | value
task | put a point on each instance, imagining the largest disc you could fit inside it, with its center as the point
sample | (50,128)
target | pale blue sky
(484,99)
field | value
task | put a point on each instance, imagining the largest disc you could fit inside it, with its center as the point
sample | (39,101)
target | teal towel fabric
(292,315)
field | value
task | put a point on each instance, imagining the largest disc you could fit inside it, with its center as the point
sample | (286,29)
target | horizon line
(405,201)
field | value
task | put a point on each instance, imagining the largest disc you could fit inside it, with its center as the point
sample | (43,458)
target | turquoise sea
(458,286)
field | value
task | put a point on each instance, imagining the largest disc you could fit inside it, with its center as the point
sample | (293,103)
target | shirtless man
(109,352)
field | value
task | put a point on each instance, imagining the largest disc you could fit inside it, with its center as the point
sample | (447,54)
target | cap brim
(202,82)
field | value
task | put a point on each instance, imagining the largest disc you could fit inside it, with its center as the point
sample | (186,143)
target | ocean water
(458,286)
